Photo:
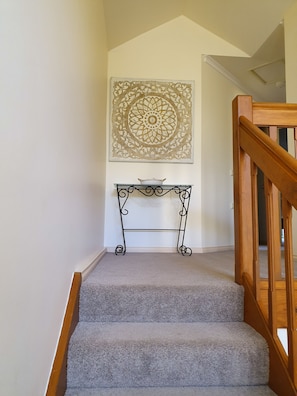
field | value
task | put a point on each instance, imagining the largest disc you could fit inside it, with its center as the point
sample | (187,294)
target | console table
(183,192)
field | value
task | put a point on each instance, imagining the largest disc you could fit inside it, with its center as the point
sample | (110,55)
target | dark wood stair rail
(270,303)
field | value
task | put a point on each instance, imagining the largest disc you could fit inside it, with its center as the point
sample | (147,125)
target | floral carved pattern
(151,121)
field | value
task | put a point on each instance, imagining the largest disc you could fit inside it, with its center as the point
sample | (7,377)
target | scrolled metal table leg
(123,195)
(120,249)
(184,250)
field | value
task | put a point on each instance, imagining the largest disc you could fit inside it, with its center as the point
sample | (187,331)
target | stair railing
(254,149)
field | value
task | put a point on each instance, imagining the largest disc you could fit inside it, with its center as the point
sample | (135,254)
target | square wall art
(151,120)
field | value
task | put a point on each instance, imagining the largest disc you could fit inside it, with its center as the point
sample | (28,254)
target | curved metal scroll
(184,193)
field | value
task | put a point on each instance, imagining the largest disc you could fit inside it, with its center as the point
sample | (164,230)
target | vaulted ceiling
(254,26)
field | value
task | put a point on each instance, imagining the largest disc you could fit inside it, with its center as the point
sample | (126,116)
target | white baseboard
(213,249)
(172,249)
(146,249)
(91,263)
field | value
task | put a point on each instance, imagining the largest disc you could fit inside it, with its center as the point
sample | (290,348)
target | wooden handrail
(252,150)
(279,166)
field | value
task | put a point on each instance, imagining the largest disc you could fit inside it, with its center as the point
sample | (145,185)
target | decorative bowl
(152,181)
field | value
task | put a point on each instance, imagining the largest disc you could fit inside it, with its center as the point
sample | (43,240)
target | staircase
(164,324)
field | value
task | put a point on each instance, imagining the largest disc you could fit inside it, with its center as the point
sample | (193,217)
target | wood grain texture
(281,303)
(253,148)
(242,190)
(280,114)
(279,378)
(58,380)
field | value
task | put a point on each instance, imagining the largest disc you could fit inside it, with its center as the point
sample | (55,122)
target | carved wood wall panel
(151,120)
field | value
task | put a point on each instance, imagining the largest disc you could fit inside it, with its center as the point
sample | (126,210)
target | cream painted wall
(53,121)
(291,53)
(217,216)
(171,51)
(291,80)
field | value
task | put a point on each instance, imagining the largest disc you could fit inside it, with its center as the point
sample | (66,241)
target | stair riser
(137,364)
(143,304)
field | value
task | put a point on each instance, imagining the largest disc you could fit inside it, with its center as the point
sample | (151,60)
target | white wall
(291,83)
(171,51)
(217,216)
(53,107)
(291,53)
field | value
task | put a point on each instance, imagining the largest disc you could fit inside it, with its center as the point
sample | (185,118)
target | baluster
(295,141)
(273,133)
(273,242)
(255,221)
(290,291)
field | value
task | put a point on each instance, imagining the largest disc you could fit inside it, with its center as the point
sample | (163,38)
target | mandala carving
(151,121)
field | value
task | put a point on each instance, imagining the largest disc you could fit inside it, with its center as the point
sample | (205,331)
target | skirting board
(87,268)
(57,380)
(213,249)
(172,249)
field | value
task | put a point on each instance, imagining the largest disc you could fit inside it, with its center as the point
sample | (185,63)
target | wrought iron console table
(182,191)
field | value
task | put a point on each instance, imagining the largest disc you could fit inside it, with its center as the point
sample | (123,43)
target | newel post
(242,185)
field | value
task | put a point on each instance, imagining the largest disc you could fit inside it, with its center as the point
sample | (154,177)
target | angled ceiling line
(271,72)
(229,76)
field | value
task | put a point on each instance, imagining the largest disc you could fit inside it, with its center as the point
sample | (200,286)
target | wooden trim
(280,171)
(242,190)
(280,114)
(281,303)
(279,379)
(278,165)
(58,381)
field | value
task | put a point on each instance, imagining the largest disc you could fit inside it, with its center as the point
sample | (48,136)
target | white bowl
(151,181)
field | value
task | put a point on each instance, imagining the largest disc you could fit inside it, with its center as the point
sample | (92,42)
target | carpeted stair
(163,324)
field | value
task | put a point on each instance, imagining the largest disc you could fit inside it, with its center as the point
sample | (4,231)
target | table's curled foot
(120,250)
(184,250)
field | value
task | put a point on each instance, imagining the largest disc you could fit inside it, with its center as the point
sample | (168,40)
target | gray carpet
(162,288)
(181,391)
(164,324)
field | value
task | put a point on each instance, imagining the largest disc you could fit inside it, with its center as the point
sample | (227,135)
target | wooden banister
(283,115)
(252,150)
(278,165)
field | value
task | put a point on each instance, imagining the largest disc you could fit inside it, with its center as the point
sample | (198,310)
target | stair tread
(198,331)
(171,269)
(143,287)
(177,391)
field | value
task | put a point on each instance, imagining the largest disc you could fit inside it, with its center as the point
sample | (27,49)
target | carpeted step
(205,301)
(147,288)
(156,325)
(166,355)
(178,391)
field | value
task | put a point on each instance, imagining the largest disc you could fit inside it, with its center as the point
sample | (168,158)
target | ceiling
(256,28)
